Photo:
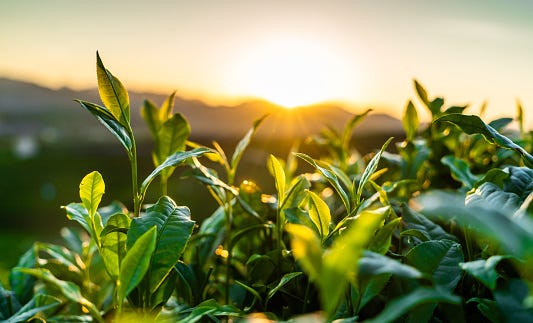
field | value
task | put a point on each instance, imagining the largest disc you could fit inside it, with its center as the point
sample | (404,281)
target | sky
(292,52)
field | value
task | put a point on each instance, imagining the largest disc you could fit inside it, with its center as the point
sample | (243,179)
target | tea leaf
(113,239)
(92,188)
(171,137)
(319,213)
(484,270)
(439,258)
(306,248)
(279,177)
(422,295)
(283,281)
(39,303)
(369,170)
(150,114)
(136,263)
(331,177)
(410,121)
(173,160)
(460,170)
(471,124)
(68,289)
(113,93)
(338,269)
(110,122)
(245,141)
(174,228)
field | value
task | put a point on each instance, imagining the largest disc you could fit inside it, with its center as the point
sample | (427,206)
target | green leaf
(488,308)
(372,264)
(382,241)
(39,303)
(113,93)
(348,129)
(422,295)
(136,263)
(306,249)
(491,196)
(68,289)
(296,192)
(331,178)
(111,123)
(171,137)
(174,228)
(150,114)
(245,141)
(421,91)
(113,239)
(410,121)
(484,270)
(319,213)
(92,189)
(173,160)
(440,259)
(471,124)
(22,284)
(78,213)
(296,215)
(337,268)
(283,281)
(279,177)
(165,112)
(369,170)
(460,170)
(417,221)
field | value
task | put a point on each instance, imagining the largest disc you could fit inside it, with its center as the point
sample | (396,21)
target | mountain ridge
(28,108)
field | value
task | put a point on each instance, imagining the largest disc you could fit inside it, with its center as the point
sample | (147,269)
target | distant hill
(30,109)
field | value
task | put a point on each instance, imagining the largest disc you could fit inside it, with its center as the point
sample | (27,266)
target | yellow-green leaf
(113,93)
(279,177)
(306,248)
(92,188)
(319,213)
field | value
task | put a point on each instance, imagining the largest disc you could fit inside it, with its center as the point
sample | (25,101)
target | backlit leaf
(319,213)
(410,121)
(113,239)
(92,189)
(113,93)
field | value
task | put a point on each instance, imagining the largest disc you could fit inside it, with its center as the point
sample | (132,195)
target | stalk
(137,200)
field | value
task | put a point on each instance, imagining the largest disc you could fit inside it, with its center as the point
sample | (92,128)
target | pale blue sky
(364,52)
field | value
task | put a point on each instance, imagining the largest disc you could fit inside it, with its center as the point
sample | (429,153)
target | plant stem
(306,296)
(137,200)
(229,219)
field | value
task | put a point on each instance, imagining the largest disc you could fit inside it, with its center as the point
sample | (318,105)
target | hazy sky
(292,52)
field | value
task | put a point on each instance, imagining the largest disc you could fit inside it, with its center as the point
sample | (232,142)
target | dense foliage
(437,228)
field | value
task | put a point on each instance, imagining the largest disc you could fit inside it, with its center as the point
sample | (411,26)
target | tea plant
(435,227)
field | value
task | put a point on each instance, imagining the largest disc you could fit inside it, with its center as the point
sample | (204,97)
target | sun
(291,72)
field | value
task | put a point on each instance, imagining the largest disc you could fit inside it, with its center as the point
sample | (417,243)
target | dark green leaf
(283,281)
(111,123)
(488,308)
(39,303)
(474,125)
(22,284)
(68,289)
(417,221)
(174,229)
(372,264)
(439,258)
(422,295)
(460,170)
(484,270)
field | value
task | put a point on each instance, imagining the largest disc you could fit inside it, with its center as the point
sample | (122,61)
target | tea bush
(438,229)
